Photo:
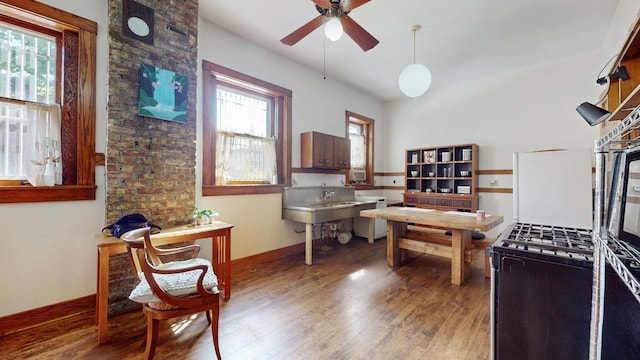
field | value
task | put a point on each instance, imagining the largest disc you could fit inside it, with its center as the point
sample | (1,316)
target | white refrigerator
(553,187)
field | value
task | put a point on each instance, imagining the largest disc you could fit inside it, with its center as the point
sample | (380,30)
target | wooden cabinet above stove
(623,96)
(323,151)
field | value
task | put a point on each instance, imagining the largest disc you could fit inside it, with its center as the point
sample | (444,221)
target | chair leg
(208,316)
(215,312)
(152,337)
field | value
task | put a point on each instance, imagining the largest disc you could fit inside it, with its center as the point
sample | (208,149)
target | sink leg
(308,248)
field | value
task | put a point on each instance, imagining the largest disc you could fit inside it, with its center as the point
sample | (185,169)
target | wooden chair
(171,289)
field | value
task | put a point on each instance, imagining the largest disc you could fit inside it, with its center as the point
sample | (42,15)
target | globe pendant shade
(414,80)
(333,29)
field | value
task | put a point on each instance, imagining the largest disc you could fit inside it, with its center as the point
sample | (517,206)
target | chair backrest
(135,240)
(145,259)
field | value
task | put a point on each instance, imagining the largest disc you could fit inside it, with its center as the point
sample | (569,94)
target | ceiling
(460,39)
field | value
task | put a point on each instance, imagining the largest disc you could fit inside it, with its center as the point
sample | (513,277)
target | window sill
(28,193)
(212,190)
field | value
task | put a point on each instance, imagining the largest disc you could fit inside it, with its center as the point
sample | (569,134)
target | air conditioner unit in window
(358,175)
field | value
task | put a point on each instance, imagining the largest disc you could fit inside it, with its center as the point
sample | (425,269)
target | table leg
(395,230)
(372,230)
(221,259)
(460,240)
(308,244)
(102,294)
(227,265)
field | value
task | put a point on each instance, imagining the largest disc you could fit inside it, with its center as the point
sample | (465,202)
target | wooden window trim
(210,74)
(78,103)
(369,126)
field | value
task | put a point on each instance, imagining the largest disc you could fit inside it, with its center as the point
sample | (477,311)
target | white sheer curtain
(245,159)
(358,151)
(43,147)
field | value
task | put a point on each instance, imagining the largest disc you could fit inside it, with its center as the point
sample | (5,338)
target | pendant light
(414,79)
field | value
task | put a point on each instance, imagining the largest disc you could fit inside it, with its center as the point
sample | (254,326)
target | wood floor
(348,305)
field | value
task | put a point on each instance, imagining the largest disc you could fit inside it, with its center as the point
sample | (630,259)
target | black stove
(541,296)
(568,245)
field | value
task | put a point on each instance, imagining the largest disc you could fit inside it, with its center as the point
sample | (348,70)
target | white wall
(624,18)
(48,253)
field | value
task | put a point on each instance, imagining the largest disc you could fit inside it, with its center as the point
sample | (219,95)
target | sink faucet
(328,194)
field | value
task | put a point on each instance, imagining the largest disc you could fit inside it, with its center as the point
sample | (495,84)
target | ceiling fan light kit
(333,29)
(415,79)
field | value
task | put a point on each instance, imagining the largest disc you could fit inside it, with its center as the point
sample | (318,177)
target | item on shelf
(414,173)
(414,158)
(429,156)
(446,156)
(431,174)
(445,190)
(464,173)
(466,154)
(463,189)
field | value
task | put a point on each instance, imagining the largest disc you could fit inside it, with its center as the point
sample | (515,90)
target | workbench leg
(102,295)
(308,244)
(372,230)
(395,230)
(460,240)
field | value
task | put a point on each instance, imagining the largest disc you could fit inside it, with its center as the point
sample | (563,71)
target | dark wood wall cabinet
(442,178)
(323,151)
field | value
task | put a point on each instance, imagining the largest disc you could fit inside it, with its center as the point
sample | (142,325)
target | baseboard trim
(31,318)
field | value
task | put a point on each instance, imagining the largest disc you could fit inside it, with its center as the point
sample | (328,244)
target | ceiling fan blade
(356,32)
(352,4)
(303,31)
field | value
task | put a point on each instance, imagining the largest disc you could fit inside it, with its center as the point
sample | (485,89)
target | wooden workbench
(461,224)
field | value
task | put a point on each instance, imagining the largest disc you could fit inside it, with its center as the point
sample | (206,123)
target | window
(247,136)
(28,71)
(47,62)
(361,137)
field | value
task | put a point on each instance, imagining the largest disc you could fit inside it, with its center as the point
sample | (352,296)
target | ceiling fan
(339,9)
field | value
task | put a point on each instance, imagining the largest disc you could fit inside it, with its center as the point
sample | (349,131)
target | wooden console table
(461,225)
(219,233)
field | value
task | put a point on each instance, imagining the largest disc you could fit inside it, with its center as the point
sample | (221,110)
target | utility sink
(317,205)
(320,213)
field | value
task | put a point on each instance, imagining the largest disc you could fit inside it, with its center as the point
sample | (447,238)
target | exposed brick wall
(150,163)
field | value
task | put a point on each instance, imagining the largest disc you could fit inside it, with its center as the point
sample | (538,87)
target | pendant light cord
(324,58)
(415,28)
(414,45)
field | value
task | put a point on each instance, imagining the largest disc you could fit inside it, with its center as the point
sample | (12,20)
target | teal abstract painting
(163,94)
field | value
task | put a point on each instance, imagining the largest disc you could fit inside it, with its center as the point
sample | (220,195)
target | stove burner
(552,240)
